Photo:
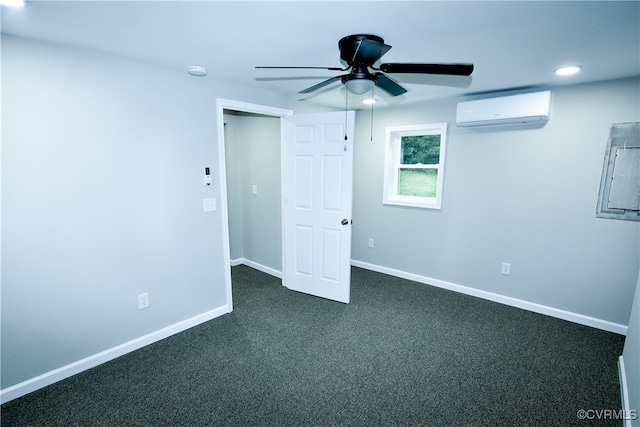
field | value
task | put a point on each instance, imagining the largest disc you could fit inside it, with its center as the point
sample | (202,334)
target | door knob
(344,221)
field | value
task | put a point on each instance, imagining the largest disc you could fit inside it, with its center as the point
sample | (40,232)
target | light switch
(255,189)
(209,204)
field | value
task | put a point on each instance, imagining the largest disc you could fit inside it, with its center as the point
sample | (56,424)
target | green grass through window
(417,182)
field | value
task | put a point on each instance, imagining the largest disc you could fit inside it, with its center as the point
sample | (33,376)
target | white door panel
(318,192)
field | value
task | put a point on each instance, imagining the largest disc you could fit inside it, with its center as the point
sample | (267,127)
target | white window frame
(392,165)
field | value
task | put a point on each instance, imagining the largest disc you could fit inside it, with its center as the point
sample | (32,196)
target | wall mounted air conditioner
(525,108)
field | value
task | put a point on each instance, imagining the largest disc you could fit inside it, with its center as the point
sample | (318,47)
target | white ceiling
(513,44)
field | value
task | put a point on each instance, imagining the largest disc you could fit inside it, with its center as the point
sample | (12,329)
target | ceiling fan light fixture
(359,86)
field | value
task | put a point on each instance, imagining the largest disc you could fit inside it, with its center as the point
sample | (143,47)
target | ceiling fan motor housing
(349,46)
(358,72)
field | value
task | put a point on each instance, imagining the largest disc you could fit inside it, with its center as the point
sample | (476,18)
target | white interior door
(317,210)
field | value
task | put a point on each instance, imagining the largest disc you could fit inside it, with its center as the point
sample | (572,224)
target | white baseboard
(71,369)
(257,266)
(514,302)
(237,261)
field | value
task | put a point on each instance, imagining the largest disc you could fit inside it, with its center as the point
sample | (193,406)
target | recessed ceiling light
(368,101)
(14,3)
(197,71)
(567,71)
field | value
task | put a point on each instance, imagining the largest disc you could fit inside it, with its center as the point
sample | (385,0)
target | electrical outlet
(370,243)
(506,268)
(143,300)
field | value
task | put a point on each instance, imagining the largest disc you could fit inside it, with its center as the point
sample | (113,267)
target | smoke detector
(197,71)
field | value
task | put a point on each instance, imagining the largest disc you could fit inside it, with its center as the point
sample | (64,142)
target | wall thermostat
(206,179)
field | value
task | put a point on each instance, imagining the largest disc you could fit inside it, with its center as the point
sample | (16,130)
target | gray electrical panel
(619,196)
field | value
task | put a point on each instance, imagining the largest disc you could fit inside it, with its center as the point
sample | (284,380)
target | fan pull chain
(346,102)
(373,98)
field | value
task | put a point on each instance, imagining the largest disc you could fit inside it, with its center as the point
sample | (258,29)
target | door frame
(246,107)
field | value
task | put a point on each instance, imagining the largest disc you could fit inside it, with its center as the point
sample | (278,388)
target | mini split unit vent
(526,108)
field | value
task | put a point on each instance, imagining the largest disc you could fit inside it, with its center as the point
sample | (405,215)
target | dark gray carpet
(401,353)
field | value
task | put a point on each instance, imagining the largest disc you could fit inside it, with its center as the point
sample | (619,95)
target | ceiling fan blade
(388,85)
(369,51)
(417,68)
(302,68)
(321,84)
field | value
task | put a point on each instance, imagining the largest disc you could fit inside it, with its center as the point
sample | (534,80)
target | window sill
(414,203)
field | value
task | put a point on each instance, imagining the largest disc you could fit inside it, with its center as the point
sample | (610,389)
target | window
(414,165)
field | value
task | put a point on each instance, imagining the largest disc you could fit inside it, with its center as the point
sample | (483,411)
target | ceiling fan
(360,52)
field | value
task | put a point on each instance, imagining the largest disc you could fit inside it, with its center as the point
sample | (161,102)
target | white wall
(631,357)
(522,196)
(255,220)
(234,187)
(102,163)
